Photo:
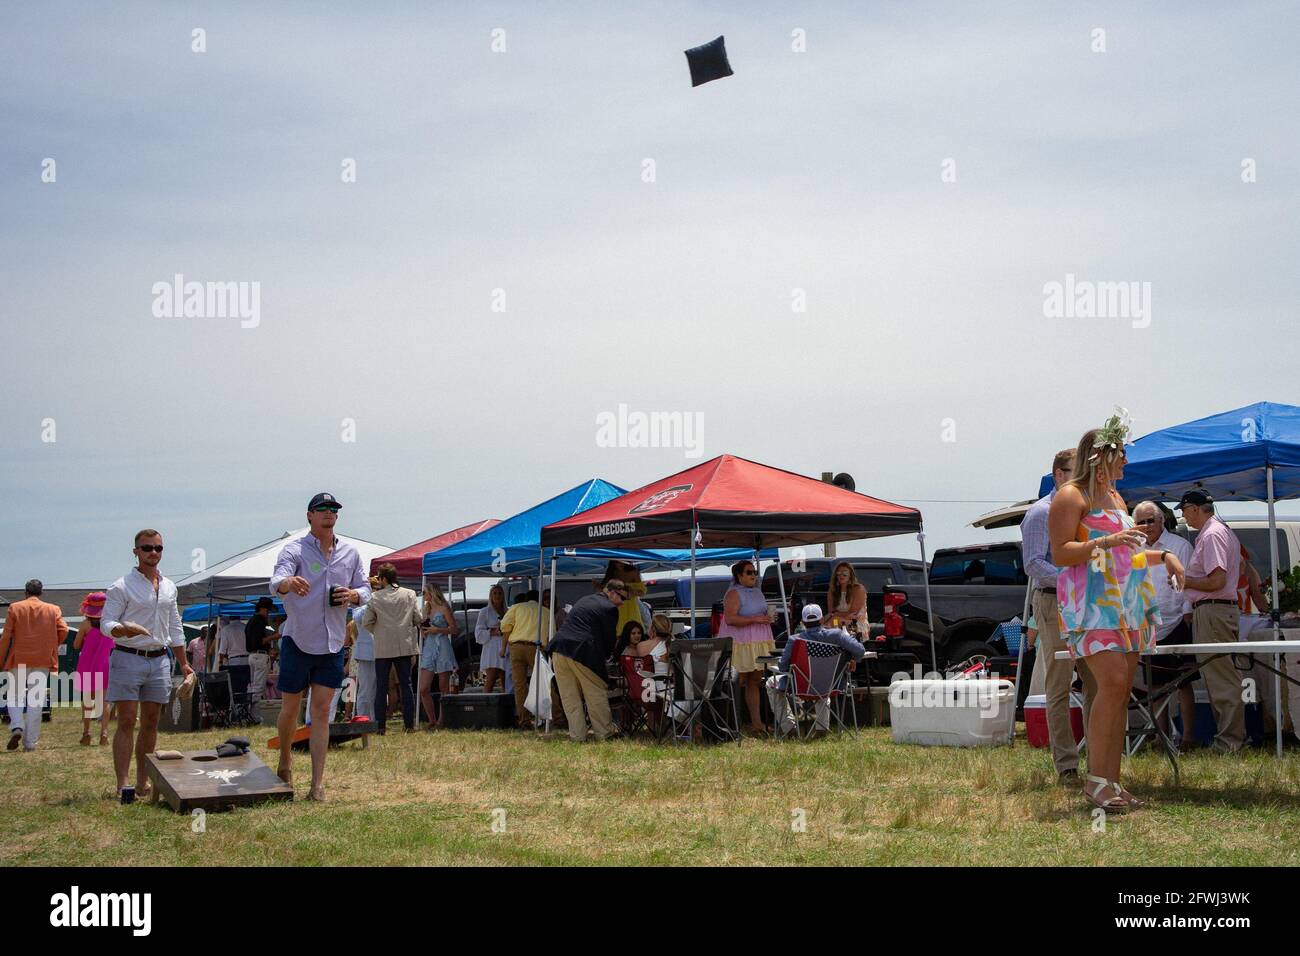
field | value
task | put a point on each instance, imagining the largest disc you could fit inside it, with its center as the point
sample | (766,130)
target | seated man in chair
(778,686)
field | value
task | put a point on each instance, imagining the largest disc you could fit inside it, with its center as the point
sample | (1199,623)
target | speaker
(845,481)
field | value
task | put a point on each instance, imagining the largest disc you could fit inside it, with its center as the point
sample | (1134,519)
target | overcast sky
(524,171)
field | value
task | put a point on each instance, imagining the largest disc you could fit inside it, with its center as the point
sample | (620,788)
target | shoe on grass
(15,739)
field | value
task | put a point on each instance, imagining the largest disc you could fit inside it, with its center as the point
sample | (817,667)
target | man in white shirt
(233,656)
(141,616)
(1175,609)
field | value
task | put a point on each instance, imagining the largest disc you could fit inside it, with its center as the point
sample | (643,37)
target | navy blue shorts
(299,670)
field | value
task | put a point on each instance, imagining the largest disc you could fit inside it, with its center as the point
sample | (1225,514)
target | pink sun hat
(93,604)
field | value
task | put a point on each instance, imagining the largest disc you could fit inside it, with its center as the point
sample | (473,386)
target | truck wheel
(967,653)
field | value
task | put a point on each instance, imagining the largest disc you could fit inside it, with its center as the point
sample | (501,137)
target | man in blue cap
(319,578)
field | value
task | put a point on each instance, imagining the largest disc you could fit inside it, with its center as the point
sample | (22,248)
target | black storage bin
(478,711)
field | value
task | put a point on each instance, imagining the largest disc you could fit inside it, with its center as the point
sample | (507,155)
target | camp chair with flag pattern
(819,675)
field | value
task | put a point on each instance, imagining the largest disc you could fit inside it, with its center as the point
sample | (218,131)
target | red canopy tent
(410,561)
(733,502)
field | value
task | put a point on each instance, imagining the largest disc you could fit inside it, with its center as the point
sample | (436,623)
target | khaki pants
(522,655)
(1213,624)
(578,685)
(1056,686)
(258,665)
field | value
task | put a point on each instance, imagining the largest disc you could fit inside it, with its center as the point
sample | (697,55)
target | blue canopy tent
(239,609)
(1247,454)
(513,546)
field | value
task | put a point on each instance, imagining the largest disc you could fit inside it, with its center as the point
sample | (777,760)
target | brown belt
(1214,601)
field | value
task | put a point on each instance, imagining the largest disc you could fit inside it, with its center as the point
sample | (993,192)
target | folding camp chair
(703,699)
(819,676)
(1148,704)
(216,698)
(643,697)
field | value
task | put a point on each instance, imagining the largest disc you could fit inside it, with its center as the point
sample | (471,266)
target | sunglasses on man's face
(332,511)
(1145,521)
(147,548)
(616,593)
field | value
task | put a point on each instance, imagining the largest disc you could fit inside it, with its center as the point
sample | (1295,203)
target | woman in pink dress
(91,677)
(747,621)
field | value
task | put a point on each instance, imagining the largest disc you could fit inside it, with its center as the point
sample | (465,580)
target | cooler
(1036,719)
(478,711)
(953,713)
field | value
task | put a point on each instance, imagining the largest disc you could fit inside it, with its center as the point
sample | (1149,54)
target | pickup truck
(972,590)
(807,581)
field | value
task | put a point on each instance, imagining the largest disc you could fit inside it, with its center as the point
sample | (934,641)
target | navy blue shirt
(589,633)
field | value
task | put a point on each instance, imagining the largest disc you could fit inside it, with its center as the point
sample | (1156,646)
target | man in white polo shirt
(1211,586)
(140,615)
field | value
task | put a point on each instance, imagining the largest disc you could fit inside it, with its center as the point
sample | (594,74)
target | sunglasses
(1145,521)
(618,591)
(749,571)
(332,511)
(150,548)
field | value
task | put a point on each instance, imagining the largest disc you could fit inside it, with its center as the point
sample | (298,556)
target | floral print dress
(1109,602)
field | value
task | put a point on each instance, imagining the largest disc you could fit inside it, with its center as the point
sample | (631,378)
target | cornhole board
(340,733)
(201,780)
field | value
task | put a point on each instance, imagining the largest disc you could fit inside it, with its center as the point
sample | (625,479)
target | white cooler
(952,713)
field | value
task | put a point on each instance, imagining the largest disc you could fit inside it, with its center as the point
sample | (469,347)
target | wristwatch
(1162,555)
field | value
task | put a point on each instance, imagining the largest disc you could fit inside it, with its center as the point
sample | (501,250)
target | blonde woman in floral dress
(1108,610)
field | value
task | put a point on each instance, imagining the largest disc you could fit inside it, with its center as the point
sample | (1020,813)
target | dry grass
(428,799)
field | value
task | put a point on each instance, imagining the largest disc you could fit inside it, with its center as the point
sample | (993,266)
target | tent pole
(929,613)
(695,530)
(1020,655)
(1279,662)
(537,649)
(785,605)
(420,638)
(555,599)
(210,643)
(464,616)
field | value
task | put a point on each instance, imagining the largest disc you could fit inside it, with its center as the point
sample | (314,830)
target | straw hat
(93,604)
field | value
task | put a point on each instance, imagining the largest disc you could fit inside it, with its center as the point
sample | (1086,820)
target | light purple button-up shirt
(1036,545)
(317,628)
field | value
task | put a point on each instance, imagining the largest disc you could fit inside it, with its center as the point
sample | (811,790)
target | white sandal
(1115,803)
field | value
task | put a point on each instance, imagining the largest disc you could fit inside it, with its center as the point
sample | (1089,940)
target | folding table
(1204,654)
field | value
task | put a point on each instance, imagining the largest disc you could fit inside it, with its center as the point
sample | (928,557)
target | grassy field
(429,799)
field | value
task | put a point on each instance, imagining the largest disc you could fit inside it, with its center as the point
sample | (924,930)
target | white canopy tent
(249,572)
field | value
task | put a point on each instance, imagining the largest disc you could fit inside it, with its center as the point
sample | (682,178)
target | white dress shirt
(1173,604)
(132,600)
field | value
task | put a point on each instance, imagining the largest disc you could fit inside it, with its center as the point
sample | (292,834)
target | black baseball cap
(322,500)
(267,603)
(1194,497)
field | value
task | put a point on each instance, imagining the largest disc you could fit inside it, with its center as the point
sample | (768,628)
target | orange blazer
(34,629)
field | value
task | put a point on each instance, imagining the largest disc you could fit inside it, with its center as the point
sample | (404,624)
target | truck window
(875,579)
(1255,541)
(995,566)
(913,576)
